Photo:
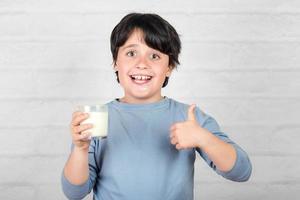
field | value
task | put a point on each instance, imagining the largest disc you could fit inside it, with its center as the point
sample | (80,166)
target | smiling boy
(152,139)
(141,70)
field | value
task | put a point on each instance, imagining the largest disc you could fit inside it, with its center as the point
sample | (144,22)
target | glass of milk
(98,116)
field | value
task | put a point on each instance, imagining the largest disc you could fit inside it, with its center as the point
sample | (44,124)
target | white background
(240,64)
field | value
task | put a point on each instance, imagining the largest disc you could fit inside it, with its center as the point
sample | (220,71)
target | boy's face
(142,70)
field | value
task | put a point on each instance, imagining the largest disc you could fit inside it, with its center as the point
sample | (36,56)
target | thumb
(191,113)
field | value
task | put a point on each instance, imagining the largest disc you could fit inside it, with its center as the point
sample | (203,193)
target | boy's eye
(154,56)
(131,53)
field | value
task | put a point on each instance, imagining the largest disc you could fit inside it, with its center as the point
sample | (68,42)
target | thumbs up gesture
(187,134)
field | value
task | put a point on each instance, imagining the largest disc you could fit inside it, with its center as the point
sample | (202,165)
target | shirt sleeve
(76,192)
(242,168)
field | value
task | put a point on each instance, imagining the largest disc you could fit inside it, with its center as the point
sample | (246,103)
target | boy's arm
(220,151)
(79,174)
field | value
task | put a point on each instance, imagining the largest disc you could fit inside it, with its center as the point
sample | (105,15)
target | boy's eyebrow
(129,46)
(136,45)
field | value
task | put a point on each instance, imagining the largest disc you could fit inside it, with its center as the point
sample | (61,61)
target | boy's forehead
(136,36)
(136,39)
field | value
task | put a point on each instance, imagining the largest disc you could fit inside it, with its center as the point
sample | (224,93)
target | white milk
(99,121)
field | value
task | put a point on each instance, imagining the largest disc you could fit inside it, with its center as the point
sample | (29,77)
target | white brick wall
(242,56)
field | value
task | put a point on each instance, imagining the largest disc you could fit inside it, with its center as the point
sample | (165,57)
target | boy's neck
(140,101)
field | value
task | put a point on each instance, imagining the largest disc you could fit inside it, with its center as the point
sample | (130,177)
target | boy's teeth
(141,77)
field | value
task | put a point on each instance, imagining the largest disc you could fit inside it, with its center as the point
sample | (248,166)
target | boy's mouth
(140,79)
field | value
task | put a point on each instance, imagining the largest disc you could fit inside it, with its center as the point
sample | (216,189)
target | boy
(152,140)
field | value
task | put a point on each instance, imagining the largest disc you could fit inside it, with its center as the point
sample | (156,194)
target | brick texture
(242,58)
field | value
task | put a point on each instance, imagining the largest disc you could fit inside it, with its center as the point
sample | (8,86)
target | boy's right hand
(81,138)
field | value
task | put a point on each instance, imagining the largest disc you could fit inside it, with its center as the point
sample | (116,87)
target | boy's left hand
(187,134)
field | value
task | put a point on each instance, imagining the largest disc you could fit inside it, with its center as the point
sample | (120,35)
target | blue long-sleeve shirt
(137,161)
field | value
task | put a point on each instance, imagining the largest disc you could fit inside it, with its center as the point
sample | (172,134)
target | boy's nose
(142,64)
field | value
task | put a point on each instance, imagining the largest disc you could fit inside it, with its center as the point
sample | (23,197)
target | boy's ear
(115,66)
(168,74)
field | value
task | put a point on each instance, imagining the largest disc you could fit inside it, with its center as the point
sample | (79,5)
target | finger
(172,134)
(81,128)
(86,136)
(191,113)
(175,134)
(176,126)
(172,130)
(74,114)
(79,118)
(172,127)
(178,146)
(174,141)
(82,137)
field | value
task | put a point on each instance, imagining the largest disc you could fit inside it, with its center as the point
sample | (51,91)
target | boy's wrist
(203,138)
(80,150)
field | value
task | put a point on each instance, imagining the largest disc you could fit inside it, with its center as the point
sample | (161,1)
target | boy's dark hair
(158,34)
